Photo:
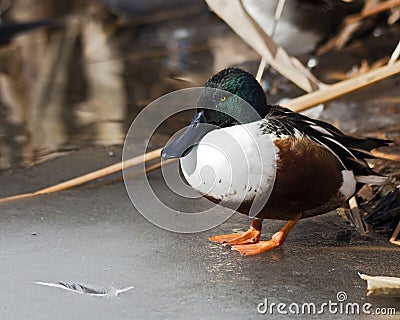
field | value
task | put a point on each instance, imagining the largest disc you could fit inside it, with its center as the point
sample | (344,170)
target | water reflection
(83,79)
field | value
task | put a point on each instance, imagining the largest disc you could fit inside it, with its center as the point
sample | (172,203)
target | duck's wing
(350,151)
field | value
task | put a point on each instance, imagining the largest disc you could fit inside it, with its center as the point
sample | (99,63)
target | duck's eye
(222,99)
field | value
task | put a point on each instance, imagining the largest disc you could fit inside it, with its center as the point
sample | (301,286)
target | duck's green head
(233,85)
(231,97)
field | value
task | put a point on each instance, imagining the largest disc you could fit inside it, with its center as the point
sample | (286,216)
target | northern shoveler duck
(309,167)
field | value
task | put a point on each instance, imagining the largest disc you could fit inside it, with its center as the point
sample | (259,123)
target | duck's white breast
(233,164)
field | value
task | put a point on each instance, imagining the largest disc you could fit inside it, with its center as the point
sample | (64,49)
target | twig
(261,67)
(338,89)
(91,176)
(386,156)
(356,217)
(372,11)
(348,28)
(396,233)
(277,17)
(131,175)
(395,54)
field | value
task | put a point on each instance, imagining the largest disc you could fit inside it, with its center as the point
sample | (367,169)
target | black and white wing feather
(350,151)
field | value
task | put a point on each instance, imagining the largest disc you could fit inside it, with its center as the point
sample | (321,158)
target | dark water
(81,81)
(81,76)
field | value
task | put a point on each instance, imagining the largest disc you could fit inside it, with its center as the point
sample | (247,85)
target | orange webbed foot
(262,246)
(276,240)
(251,236)
(247,243)
(252,249)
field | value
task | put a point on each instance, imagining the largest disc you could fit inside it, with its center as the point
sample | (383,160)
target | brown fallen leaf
(366,192)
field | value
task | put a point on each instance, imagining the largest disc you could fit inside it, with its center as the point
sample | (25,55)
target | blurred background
(75,73)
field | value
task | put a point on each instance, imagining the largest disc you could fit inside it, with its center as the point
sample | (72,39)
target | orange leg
(276,240)
(250,236)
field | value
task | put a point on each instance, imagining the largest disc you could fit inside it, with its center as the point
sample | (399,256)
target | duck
(266,161)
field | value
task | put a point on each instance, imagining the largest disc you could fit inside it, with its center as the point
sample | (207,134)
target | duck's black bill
(191,136)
